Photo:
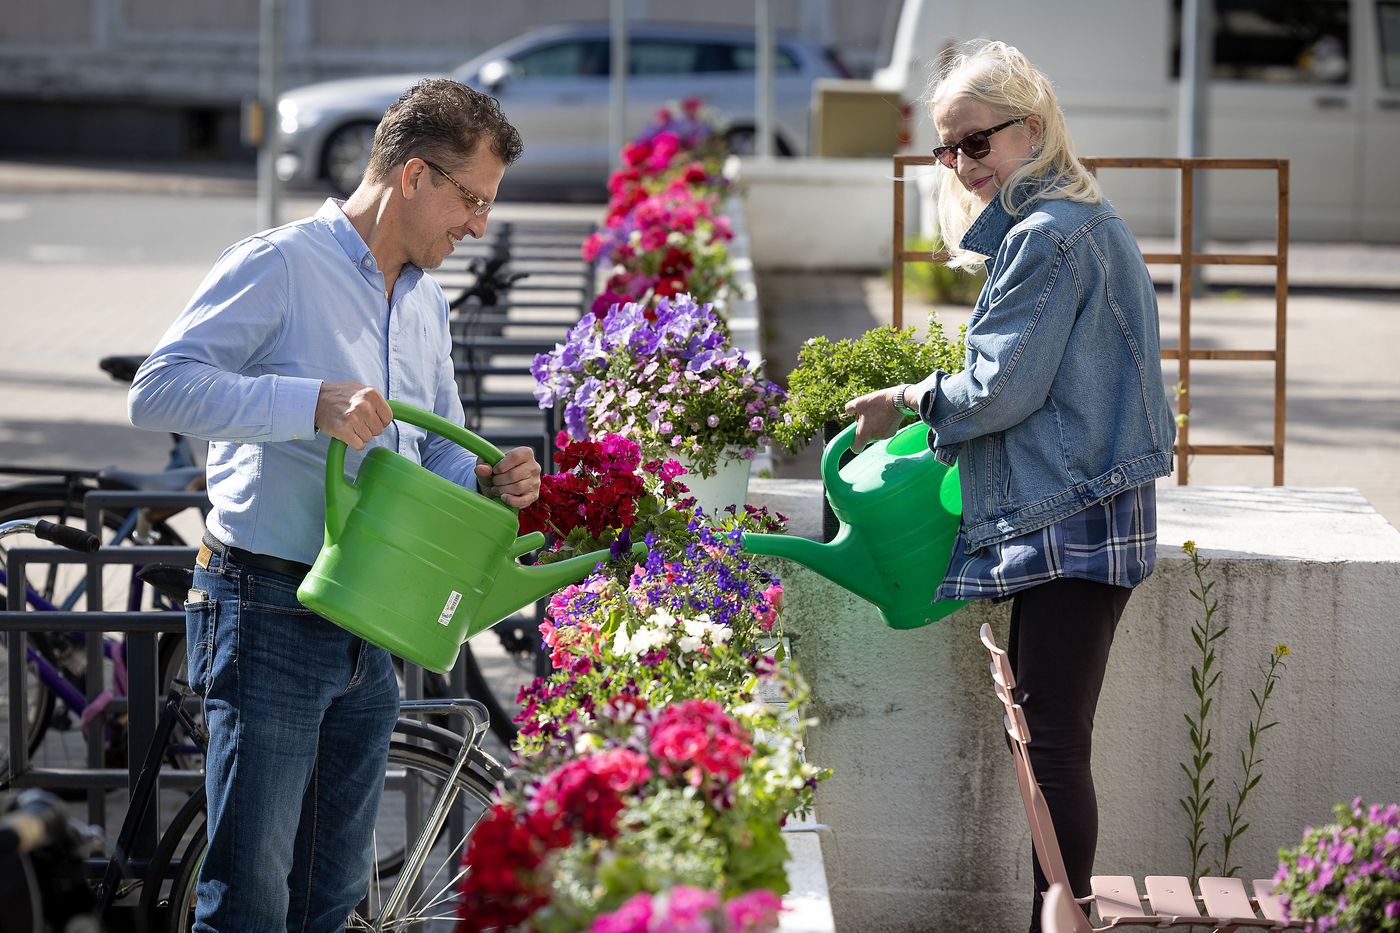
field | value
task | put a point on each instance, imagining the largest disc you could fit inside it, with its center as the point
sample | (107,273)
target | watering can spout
(518,585)
(840,561)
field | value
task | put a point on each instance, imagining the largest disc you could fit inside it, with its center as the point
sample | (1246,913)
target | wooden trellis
(1186,260)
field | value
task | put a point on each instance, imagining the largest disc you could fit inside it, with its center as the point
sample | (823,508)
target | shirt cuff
(294,408)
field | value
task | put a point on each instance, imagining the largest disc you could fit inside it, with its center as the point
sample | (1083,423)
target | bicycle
(58,660)
(416,875)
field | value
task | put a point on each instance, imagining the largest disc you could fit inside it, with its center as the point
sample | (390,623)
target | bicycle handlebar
(75,539)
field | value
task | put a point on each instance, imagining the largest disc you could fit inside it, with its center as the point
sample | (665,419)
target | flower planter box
(807,906)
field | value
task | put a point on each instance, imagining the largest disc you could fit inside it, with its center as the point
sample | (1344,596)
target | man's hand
(876,417)
(515,480)
(352,412)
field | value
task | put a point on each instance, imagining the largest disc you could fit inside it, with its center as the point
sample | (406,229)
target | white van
(1313,81)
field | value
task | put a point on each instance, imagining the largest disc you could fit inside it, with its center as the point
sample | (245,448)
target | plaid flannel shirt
(1113,541)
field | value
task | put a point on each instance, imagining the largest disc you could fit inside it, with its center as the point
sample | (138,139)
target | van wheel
(346,154)
(743,140)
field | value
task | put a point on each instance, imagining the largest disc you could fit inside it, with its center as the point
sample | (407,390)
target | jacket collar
(989,229)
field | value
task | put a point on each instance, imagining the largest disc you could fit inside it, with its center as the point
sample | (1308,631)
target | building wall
(187,64)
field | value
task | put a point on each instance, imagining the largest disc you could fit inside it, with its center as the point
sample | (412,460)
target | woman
(1059,423)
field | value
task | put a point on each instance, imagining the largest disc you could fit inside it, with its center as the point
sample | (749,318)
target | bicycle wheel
(63,586)
(38,709)
(433,904)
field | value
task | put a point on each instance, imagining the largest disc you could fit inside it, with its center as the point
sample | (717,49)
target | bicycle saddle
(177,480)
(122,368)
(173,581)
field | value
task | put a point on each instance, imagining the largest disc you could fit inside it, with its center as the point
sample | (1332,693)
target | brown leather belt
(236,555)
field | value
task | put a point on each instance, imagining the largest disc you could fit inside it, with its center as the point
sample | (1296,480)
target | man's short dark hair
(442,120)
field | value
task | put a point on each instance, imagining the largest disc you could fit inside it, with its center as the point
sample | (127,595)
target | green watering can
(416,564)
(899,510)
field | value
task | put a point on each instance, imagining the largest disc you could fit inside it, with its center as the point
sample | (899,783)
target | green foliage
(828,375)
(1205,681)
(1204,678)
(934,281)
(1251,766)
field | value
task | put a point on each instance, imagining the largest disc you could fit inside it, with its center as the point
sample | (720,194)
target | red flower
(586,794)
(501,890)
(635,153)
(695,174)
(698,739)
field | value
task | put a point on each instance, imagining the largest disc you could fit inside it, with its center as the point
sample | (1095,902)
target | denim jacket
(1060,404)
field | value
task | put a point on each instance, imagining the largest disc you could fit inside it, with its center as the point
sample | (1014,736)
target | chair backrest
(1047,847)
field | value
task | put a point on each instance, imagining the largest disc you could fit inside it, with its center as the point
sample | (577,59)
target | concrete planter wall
(928,827)
(826,214)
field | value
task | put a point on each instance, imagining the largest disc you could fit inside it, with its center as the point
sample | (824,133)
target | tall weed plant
(1208,634)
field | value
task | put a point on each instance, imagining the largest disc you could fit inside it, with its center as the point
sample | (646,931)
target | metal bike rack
(141,629)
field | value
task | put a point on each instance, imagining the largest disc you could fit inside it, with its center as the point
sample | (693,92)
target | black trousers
(1061,632)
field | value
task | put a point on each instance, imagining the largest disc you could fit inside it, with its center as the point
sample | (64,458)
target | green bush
(934,281)
(828,375)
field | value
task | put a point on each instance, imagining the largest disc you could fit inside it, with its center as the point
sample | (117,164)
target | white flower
(645,639)
(697,627)
(660,618)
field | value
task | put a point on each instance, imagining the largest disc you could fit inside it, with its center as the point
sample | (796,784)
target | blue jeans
(299,714)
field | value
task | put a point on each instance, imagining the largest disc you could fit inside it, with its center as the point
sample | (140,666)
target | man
(298,335)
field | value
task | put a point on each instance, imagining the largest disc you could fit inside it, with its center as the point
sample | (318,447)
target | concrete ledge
(827,214)
(929,827)
(807,905)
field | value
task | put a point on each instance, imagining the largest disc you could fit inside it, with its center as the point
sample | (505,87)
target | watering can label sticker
(450,608)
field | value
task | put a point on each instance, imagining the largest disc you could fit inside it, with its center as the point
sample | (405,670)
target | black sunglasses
(973,145)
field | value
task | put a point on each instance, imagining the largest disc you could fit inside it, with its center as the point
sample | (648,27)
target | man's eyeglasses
(481,208)
(973,145)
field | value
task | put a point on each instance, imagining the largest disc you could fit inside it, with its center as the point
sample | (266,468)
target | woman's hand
(876,417)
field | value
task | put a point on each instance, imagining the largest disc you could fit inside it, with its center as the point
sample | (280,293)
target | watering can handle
(831,458)
(341,494)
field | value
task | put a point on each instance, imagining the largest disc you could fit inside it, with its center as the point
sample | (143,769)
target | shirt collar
(332,215)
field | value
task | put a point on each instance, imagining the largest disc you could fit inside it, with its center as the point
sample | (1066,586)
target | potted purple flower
(668,378)
(1345,877)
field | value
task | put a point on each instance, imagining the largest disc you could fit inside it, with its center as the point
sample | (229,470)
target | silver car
(553,84)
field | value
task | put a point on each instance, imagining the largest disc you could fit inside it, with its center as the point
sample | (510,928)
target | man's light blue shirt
(242,367)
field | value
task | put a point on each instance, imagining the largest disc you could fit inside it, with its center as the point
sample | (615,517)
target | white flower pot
(729,485)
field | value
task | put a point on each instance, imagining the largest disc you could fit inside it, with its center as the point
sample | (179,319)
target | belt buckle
(202,558)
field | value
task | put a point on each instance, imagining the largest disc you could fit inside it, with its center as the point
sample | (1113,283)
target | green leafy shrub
(828,375)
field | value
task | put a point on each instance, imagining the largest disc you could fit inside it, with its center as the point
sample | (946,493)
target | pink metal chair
(1170,902)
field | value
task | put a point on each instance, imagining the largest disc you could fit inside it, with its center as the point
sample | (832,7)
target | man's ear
(412,176)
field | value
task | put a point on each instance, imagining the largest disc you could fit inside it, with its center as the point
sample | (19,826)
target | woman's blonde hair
(999,76)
